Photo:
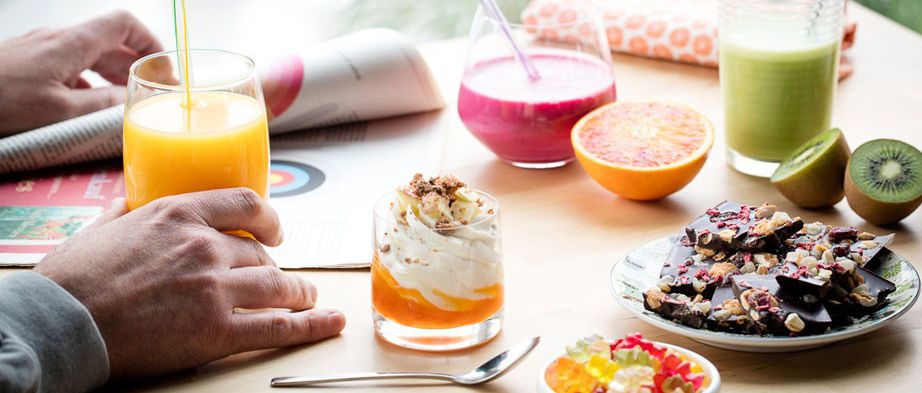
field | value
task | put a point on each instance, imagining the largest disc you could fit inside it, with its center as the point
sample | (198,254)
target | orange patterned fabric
(675,30)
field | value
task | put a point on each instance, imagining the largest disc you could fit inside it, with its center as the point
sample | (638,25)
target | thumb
(118,208)
(83,101)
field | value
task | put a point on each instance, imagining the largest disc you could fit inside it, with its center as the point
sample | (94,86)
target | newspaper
(323,185)
(366,75)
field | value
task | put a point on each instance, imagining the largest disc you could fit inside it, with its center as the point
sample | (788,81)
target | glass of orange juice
(437,272)
(215,135)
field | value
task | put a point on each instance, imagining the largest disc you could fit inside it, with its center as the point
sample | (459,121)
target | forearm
(48,340)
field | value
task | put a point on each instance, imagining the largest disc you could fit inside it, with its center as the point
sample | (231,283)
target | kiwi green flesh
(807,154)
(813,176)
(887,170)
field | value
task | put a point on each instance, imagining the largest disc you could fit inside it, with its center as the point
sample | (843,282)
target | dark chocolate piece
(676,307)
(726,313)
(731,226)
(773,311)
(691,273)
(796,280)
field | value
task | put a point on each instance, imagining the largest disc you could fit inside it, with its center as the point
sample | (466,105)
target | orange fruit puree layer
(408,307)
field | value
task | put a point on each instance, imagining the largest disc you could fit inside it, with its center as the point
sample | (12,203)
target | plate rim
(749,340)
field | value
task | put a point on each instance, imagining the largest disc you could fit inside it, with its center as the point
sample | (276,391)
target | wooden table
(562,233)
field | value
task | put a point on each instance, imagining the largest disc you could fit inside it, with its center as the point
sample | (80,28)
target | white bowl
(709,369)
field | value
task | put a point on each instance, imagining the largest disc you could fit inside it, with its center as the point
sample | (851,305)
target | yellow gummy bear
(602,368)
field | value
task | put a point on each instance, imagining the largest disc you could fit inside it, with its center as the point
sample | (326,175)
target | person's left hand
(40,80)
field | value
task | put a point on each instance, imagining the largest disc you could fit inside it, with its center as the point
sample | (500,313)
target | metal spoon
(488,371)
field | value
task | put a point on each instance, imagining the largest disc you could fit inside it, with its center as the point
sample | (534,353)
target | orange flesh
(408,307)
(646,135)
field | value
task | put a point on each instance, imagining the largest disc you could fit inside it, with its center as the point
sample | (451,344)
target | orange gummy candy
(566,375)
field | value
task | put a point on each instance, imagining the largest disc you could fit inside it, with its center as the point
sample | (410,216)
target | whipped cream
(457,262)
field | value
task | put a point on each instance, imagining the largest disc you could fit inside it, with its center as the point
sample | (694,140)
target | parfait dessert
(437,276)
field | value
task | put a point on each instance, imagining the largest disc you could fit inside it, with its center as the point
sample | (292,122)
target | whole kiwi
(883,181)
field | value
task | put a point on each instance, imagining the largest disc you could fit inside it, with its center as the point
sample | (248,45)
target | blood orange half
(643,150)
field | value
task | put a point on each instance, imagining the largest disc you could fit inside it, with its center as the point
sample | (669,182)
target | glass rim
(133,76)
(390,196)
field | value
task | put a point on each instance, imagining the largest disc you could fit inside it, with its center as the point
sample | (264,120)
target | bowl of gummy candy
(628,365)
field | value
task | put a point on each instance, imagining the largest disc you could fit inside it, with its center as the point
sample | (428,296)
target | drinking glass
(218,140)
(436,289)
(526,122)
(778,71)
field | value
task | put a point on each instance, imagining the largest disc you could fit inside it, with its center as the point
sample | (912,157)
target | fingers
(117,209)
(269,287)
(243,251)
(110,43)
(233,209)
(83,101)
(271,330)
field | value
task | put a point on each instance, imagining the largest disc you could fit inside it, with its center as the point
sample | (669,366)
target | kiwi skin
(873,211)
(818,185)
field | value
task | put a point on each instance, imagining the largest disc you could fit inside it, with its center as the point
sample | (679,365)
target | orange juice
(221,141)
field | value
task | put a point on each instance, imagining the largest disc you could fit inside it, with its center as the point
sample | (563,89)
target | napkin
(682,31)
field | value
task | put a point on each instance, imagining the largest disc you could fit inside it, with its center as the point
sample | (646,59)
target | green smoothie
(775,100)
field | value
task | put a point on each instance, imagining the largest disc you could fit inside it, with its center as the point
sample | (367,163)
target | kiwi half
(883,181)
(812,177)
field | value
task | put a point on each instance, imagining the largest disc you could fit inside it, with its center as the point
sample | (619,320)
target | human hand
(162,282)
(40,71)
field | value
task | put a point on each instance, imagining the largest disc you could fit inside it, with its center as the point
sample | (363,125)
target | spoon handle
(310,380)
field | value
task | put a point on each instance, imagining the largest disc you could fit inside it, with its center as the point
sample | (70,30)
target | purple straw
(491,7)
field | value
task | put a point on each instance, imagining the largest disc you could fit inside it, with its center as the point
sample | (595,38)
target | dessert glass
(436,289)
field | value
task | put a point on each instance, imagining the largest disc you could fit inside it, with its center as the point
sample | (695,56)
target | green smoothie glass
(778,71)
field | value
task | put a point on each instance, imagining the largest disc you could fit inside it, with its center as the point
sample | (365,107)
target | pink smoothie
(529,122)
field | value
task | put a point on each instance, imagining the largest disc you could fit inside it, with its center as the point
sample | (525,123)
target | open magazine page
(323,185)
(40,211)
(370,74)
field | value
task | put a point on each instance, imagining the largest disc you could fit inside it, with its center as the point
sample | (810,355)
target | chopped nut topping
(862,295)
(665,283)
(794,323)
(654,298)
(385,247)
(704,252)
(766,210)
(722,269)
(866,236)
(733,307)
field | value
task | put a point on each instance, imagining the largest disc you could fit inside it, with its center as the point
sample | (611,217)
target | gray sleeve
(48,340)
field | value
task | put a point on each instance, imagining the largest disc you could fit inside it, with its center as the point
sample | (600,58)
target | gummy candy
(632,379)
(566,375)
(601,368)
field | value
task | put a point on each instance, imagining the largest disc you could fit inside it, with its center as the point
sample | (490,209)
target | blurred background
(317,20)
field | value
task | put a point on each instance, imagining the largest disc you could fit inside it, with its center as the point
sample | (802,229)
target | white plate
(706,365)
(640,270)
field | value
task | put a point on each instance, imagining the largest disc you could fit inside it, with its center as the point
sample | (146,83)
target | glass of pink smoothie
(527,122)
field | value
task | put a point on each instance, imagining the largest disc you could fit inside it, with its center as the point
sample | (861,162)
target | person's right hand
(162,282)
